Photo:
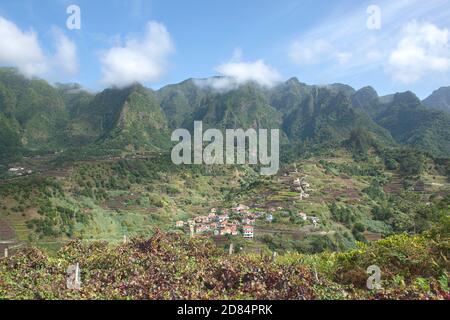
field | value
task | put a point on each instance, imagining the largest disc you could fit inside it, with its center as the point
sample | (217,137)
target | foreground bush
(171,266)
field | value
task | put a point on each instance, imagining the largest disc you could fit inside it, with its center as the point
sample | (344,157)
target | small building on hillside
(201,228)
(179,224)
(258,214)
(212,216)
(229,229)
(372,236)
(248,232)
(241,208)
(19,171)
(223,217)
(315,221)
(248,221)
(198,219)
(303,216)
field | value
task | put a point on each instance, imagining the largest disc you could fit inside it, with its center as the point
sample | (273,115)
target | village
(20,171)
(225,222)
(241,219)
(238,220)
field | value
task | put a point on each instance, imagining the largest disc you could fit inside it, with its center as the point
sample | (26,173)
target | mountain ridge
(439,99)
(46,117)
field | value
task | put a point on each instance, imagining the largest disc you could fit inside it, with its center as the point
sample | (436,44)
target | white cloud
(22,49)
(342,47)
(343,57)
(243,72)
(317,51)
(236,72)
(139,60)
(65,57)
(424,48)
(310,52)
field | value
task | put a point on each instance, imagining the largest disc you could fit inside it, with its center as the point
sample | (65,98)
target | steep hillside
(76,99)
(37,117)
(181,101)
(321,114)
(412,124)
(439,99)
(10,144)
(245,107)
(36,106)
(367,100)
(129,118)
(302,112)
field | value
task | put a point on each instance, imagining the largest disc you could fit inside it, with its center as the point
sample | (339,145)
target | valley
(359,174)
(141,194)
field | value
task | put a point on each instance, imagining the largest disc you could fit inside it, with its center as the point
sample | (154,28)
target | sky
(391,45)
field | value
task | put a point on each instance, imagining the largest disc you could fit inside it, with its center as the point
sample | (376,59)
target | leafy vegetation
(170,266)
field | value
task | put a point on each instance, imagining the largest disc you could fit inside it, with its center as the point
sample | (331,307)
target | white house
(303,216)
(248,232)
(180,224)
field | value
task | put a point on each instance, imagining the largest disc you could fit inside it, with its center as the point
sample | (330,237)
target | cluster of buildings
(302,187)
(305,217)
(20,171)
(222,223)
(299,185)
(238,220)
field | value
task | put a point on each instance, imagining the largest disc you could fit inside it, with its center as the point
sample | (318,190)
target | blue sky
(163,42)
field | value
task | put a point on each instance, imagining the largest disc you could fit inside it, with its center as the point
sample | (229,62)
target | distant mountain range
(36,117)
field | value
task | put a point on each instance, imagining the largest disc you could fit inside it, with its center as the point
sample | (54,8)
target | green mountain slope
(245,107)
(302,112)
(412,124)
(321,114)
(10,144)
(76,99)
(181,101)
(36,106)
(367,100)
(439,99)
(39,117)
(123,118)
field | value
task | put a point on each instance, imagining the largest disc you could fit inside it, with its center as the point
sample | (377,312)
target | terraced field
(8,238)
